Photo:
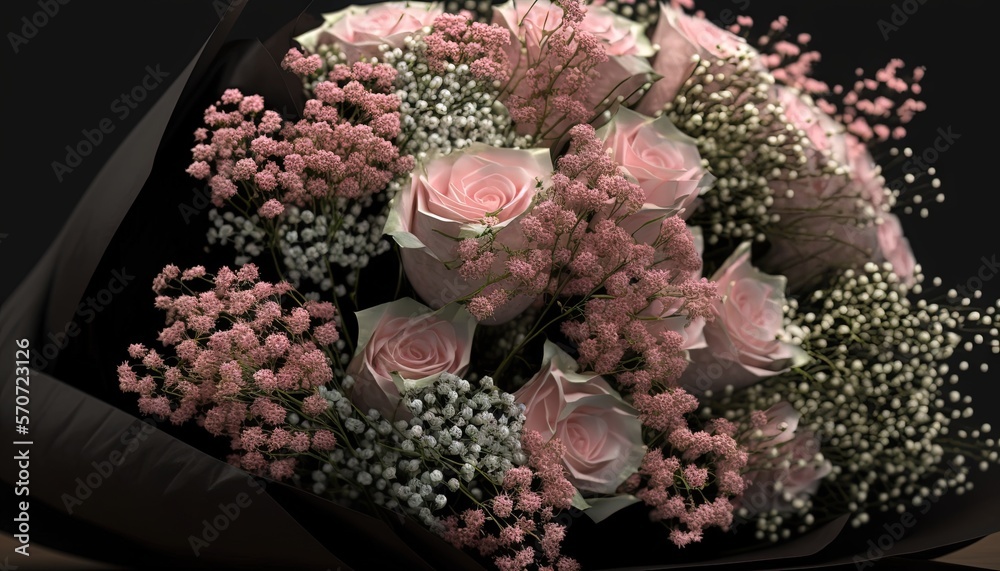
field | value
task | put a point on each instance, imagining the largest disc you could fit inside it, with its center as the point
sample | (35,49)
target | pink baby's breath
(577,247)
(342,147)
(242,364)
(457,40)
(323,440)
(533,493)
(282,469)
(271,209)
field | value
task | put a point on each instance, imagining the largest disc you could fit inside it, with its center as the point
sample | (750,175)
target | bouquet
(514,267)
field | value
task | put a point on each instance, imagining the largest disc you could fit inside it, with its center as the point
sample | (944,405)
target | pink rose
(663,313)
(404,342)
(449,198)
(665,164)
(895,248)
(679,38)
(602,434)
(660,316)
(624,41)
(621,36)
(825,135)
(744,341)
(827,222)
(868,182)
(794,472)
(866,175)
(360,30)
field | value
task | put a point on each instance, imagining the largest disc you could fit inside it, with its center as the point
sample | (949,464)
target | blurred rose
(664,162)
(448,198)
(602,434)
(866,177)
(824,134)
(896,249)
(827,222)
(681,37)
(359,30)
(792,471)
(404,341)
(621,36)
(865,174)
(818,244)
(744,341)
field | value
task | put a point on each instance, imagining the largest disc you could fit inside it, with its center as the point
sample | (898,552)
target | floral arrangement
(543,257)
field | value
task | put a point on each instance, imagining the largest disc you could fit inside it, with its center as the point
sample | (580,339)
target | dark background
(67,77)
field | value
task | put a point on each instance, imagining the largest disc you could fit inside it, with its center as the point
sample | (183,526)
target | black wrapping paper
(112,487)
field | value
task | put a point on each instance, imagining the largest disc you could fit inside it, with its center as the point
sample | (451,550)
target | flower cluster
(578,245)
(521,511)
(673,479)
(456,40)
(557,180)
(874,109)
(448,85)
(572,63)
(341,148)
(243,363)
(460,437)
(327,167)
(875,392)
(727,106)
